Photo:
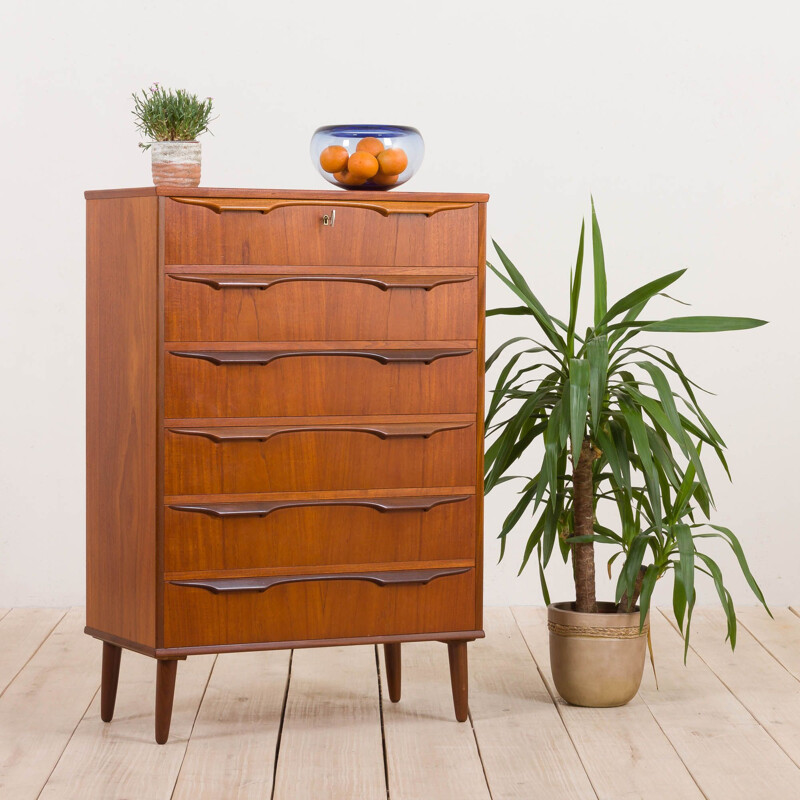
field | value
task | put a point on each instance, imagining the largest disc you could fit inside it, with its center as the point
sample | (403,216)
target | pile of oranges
(371,163)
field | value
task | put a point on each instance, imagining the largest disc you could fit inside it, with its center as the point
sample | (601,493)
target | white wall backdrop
(683,120)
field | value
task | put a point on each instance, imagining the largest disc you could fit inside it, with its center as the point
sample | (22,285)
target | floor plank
(44,703)
(232,750)
(729,754)
(525,749)
(331,740)
(773,699)
(22,630)
(779,636)
(120,760)
(429,754)
(623,750)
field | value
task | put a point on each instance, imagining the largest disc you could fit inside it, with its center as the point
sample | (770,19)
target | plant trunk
(583,525)
(627,604)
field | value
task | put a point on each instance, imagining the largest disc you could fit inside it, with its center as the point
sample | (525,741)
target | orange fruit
(392,161)
(363,164)
(333,158)
(384,180)
(348,179)
(371,145)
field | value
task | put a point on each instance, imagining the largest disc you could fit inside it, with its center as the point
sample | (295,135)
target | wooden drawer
(319,609)
(322,454)
(291,233)
(292,382)
(224,535)
(318,305)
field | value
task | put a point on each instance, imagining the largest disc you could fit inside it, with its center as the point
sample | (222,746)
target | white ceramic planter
(176,163)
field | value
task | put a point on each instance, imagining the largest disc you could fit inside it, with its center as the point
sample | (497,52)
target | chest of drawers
(284,425)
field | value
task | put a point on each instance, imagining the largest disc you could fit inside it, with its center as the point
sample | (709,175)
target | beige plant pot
(597,660)
(176,163)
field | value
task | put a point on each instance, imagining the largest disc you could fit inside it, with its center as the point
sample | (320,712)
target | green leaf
(494,356)
(724,596)
(641,295)
(686,549)
(678,600)
(511,311)
(533,541)
(597,355)
(578,403)
(638,431)
(600,289)
(648,584)
(575,293)
(739,553)
(703,324)
(543,582)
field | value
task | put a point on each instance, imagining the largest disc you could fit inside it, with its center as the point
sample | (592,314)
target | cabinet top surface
(286,194)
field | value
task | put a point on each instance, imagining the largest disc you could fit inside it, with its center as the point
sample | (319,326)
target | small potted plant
(172,120)
(623,433)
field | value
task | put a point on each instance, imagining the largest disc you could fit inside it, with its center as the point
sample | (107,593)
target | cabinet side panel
(121,423)
(479,420)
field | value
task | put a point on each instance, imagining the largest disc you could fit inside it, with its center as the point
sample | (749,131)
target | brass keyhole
(329,219)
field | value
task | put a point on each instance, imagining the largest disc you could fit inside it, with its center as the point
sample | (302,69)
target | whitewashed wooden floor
(317,724)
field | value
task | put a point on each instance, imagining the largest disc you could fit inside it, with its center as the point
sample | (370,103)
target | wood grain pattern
(315,307)
(331,741)
(525,749)
(773,700)
(310,385)
(120,761)
(727,751)
(22,631)
(377,204)
(317,610)
(780,636)
(428,753)
(41,708)
(295,236)
(232,751)
(627,756)
(121,416)
(318,535)
(285,194)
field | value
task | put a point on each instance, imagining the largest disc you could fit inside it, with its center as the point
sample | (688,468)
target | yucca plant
(616,429)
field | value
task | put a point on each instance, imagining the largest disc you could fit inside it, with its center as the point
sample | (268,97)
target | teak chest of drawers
(284,425)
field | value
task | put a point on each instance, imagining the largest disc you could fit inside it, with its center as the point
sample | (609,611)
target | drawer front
(202,383)
(319,306)
(318,456)
(241,231)
(317,534)
(318,609)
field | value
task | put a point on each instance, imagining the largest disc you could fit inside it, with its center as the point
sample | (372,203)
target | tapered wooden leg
(108,686)
(165,691)
(457,651)
(391,652)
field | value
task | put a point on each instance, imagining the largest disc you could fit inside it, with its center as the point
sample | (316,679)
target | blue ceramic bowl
(398,151)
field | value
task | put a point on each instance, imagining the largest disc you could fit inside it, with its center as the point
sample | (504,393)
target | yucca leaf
(638,431)
(641,295)
(543,582)
(724,596)
(597,355)
(678,600)
(686,550)
(533,541)
(511,311)
(703,324)
(578,403)
(600,289)
(648,584)
(575,294)
(743,565)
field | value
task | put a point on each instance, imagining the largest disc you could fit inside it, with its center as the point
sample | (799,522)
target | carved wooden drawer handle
(390,430)
(220,206)
(218,282)
(406,577)
(263,357)
(264,508)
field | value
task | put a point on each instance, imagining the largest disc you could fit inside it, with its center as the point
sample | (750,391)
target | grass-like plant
(615,429)
(167,115)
